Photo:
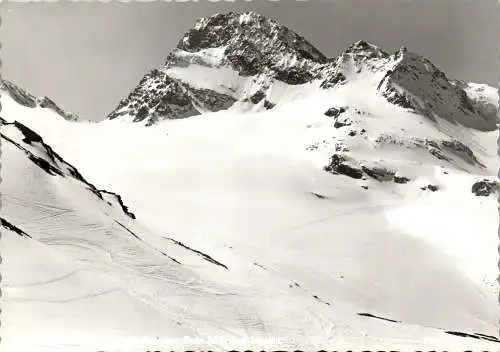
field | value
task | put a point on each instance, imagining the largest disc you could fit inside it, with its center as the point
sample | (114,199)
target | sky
(86,56)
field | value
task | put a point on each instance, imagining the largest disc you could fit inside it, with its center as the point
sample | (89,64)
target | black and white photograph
(249,175)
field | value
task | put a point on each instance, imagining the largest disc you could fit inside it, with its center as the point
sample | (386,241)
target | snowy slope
(310,218)
(42,287)
(249,191)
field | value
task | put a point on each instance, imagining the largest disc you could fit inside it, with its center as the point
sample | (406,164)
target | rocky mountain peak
(368,50)
(238,57)
(239,33)
(248,43)
(252,44)
(414,82)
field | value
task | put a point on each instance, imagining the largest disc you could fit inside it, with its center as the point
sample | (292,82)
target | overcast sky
(88,55)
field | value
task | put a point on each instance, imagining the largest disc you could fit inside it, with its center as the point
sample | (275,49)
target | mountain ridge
(255,52)
(26,99)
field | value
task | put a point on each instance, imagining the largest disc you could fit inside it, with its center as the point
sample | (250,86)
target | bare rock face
(45,102)
(338,165)
(448,150)
(432,188)
(252,42)
(333,79)
(159,97)
(401,179)
(484,188)
(379,173)
(335,112)
(19,95)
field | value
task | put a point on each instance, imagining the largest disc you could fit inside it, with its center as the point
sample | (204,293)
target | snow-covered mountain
(245,59)
(26,99)
(313,202)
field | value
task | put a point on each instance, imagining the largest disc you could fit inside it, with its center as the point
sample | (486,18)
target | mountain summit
(249,40)
(229,50)
(245,61)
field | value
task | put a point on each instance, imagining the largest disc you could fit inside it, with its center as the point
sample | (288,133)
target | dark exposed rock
(484,188)
(45,102)
(6,224)
(333,79)
(176,60)
(317,195)
(119,199)
(30,136)
(338,166)
(465,101)
(269,105)
(252,42)
(45,165)
(210,99)
(337,159)
(19,95)
(476,336)
(294,75)
(383,80)
(443,149)
(400,99)
(488,337)
(434,148)
(157,96)
(245,58)
(320,300)
(197,252)
(257,97)
(432,188)
(378,173)
(360,45)
(206,37)
(462,151)
(339,124)
(137,237)
(401,179)
(378,317)
(335,112)
(142,113)
(366,50)
(160,97)
(437,153)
